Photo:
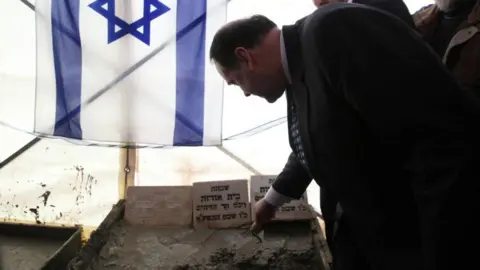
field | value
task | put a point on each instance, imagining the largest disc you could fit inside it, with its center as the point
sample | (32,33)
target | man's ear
(244,56)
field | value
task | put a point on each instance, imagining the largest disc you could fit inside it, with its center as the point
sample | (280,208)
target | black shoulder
(327,19)
(328,13)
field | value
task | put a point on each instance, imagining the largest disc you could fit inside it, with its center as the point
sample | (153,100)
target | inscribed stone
(221,204)
(159,206)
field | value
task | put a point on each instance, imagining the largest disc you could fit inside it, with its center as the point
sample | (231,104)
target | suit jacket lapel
(293,50)
(298,92)
(301,99)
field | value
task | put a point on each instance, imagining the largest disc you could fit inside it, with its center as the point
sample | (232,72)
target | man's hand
(263,212)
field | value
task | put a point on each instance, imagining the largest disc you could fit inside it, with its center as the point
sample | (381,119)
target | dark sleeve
(293,180)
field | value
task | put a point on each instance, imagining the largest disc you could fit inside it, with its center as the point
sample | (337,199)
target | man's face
(319,3)
(253,77)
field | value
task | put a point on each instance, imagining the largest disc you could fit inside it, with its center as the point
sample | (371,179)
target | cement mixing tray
(117,245)
(34,247)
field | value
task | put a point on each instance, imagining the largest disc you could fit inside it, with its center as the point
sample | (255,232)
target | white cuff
(276,199)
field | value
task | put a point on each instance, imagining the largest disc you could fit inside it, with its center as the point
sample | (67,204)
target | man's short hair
(247,33)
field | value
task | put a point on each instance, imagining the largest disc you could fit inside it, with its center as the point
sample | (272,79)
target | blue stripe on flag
(190,73)
(67,53)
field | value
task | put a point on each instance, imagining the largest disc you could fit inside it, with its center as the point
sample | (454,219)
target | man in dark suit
(330,209)
(376,119)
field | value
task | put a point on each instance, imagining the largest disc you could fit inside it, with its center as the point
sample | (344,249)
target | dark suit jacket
(388,131)
(395,7)
(328,203)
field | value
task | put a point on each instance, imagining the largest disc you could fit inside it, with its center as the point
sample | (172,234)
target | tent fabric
(83,180)
(128,72)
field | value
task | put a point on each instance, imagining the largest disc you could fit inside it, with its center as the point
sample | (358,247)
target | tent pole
(128,155)
(239,160)
(19,152)
(28,4)
(34,141)
(127,170)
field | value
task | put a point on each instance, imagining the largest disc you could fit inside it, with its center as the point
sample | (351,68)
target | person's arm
(290,184)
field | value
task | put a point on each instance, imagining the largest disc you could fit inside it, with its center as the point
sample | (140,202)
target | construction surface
(26,253)
(131,247)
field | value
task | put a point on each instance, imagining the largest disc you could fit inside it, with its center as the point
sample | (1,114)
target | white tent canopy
(83,181)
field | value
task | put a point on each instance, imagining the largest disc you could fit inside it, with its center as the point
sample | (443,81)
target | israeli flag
(129,71)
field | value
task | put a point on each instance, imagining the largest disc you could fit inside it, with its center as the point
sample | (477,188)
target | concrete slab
(294,210)
(134,247)
(221,204)
(26,253)
(159,206)
(32,246)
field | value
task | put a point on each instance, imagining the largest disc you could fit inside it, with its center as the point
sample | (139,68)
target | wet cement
(176,248)
(26,253)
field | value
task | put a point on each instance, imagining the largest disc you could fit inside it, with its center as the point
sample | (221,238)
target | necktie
(296,139)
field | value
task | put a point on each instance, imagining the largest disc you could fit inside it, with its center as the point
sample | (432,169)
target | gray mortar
(26,253)
(140,248)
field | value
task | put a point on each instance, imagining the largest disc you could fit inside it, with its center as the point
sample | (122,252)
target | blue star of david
(106,8)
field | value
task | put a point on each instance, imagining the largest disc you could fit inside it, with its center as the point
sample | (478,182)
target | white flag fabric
(100,78)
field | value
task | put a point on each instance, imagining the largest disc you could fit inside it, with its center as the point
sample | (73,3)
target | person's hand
(263,212)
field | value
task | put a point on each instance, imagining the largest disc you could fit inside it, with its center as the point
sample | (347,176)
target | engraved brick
(221,204)
(159,206)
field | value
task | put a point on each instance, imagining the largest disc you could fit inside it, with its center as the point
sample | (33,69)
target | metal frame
(28,4)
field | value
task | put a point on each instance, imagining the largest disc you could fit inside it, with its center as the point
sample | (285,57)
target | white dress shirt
(273,197)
